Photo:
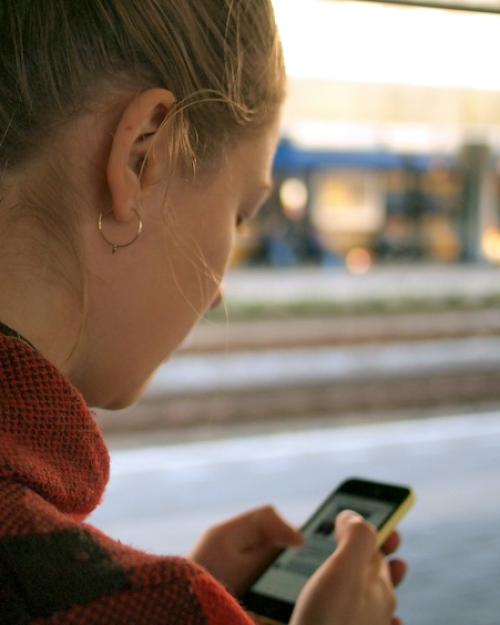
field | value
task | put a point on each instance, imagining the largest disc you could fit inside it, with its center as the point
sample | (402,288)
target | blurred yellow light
(491,244)
(359,261)
(382,44)
(294,196)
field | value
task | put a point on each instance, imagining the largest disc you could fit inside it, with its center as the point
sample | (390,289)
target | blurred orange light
(359,261)
(491,244)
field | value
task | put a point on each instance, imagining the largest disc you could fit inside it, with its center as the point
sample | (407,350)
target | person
(135,137)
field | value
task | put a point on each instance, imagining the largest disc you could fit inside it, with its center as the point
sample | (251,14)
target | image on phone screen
(291,570)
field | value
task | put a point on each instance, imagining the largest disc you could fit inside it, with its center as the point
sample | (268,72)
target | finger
(398,570)
(259,528)
(397,621)
(356,539)
(274,530)
(392,543)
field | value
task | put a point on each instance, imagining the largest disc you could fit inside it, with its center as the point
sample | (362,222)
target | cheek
(195,269)
(218,246)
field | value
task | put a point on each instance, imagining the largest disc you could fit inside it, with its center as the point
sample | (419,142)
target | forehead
(253,156)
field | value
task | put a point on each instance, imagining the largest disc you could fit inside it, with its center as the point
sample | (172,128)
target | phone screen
(288,574)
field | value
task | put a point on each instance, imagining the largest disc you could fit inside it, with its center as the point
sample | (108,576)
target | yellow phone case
(386,530)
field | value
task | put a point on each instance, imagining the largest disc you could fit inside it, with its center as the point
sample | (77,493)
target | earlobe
(139,127)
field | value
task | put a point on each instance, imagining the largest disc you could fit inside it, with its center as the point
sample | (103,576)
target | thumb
(356,540)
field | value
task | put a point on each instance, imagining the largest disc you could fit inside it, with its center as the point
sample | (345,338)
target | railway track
(321,367)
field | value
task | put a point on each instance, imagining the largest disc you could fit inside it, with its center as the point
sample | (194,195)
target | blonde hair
(221,59)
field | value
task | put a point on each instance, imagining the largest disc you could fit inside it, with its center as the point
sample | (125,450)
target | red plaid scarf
(54,568)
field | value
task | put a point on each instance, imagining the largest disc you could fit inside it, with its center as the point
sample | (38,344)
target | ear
(137,130)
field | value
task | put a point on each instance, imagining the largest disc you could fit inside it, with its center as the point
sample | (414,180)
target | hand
(355,586)
(236,551)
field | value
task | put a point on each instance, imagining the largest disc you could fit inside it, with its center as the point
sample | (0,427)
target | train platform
(466,283)
(162,496)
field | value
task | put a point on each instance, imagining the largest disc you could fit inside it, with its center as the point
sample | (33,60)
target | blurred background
(361,333)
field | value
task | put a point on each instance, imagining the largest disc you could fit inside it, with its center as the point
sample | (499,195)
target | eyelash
(240,221)
(243,218)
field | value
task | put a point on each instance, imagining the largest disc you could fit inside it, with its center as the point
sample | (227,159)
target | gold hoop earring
(116,246)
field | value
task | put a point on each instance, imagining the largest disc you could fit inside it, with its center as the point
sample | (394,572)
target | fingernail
(295,537)
(299,539)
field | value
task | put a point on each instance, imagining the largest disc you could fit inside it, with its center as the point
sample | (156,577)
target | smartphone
(273,595)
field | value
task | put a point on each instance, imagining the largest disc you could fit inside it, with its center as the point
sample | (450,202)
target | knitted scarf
(54,568)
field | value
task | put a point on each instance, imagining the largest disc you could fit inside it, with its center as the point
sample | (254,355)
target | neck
(41,314)
(8,331)
(30,300)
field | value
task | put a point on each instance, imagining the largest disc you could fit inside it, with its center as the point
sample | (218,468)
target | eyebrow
(265,190)
(268,188)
